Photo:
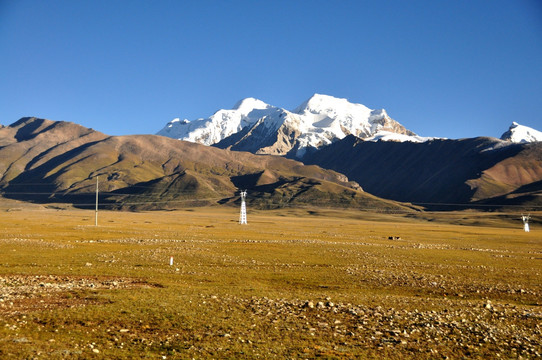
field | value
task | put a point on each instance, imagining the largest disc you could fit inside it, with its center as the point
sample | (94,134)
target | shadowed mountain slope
(48,161)
(466,171)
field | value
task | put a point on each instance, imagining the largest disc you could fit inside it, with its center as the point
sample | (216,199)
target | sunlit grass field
(293,283)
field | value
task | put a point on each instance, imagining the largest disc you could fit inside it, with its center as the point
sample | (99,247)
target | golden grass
(73,290)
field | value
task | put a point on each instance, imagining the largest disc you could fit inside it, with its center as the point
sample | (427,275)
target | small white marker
(171,261)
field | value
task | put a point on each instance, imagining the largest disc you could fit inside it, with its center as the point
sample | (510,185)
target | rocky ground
(309,288)
(455,328)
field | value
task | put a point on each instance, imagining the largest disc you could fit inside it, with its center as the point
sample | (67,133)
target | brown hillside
(510,174)
(45,161)
(438,172)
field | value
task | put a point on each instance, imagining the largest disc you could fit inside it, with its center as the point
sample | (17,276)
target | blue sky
(441,68)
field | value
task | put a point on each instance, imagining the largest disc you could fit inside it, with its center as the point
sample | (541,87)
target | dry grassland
(290,284)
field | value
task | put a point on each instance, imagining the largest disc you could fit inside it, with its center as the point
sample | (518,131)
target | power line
(140,199)
(474,205)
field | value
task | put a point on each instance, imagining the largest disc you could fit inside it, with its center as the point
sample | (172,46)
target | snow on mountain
(391,136)
(521,134)
(326,119)
(261,128)
(339,115)
(220,125)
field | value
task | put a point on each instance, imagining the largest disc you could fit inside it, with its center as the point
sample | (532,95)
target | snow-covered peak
(178,120)
(331,106)
(221,124)
(521,134)
(341,117)
(248,104)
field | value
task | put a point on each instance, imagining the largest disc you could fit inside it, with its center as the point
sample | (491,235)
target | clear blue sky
(441,68)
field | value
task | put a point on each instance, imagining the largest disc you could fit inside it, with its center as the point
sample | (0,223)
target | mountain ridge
(47,161)
(467,172)
(252,125)
(266,129)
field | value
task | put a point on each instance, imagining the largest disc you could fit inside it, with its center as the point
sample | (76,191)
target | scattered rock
(309,304)
(320,305)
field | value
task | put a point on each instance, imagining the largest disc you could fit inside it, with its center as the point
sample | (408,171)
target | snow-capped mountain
(220,125)
(264,129)
(521,134)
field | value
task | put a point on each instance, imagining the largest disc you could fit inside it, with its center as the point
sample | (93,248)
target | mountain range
(257,127)
(379,153)
(54,161)
(260,128)
(326,152)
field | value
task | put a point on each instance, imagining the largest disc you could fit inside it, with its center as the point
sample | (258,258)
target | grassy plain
(293,283)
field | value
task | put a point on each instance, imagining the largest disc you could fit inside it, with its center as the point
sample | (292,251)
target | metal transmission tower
(243,215)
(526,219)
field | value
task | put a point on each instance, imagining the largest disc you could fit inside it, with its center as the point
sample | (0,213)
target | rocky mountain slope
(49,161)
(264,129)
(473,171)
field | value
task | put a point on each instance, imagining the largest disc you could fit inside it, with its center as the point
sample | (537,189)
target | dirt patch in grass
(24,293)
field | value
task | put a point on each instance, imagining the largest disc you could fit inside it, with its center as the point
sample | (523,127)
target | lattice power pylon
(243,214)
(526,219)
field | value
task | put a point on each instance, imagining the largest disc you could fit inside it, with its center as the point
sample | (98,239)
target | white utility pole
(96,217)
(243,215)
